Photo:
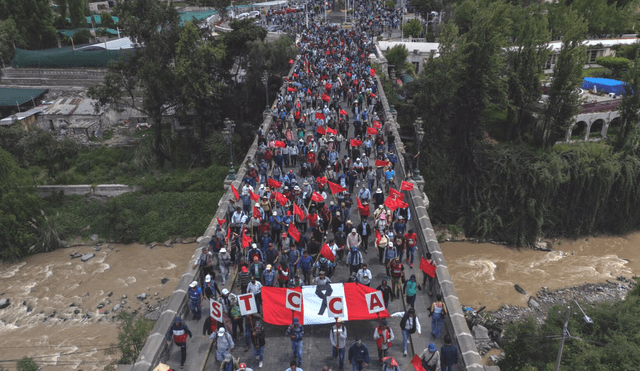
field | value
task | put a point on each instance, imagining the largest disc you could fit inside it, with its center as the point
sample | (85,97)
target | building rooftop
(73,106)
(7,121)
(421,47)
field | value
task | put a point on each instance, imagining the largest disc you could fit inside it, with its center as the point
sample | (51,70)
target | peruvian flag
(331,131)
(279,143)
(355,142)
(317,197)
(406,186)
(336,188)
(428,268)
(372,131)
(327,253)
(293,231)
(235,192)
(326,98)
(298,211)
(343,112)
(221,221)
(321,130)
(360,303)
(319,116)
(274,183)
(282,199)
(254,197)
(380,163)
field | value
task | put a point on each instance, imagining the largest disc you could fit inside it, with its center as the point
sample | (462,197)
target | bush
(617,65)
(132,334)
(82,36)
(389,4)
(27,364)
(107,20)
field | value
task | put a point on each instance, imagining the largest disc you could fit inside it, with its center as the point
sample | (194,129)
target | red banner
(290,89)
(380,163)
(246,240)
(360,206)
(372,131)
(355,142)
(428,268)
(290,61)
(406,186)
(328,86)
(396,195)
(317,197)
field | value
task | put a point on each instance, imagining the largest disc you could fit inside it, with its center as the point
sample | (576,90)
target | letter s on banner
(336,306)
(375,302)
(215,309)
(294,300)
(247,303)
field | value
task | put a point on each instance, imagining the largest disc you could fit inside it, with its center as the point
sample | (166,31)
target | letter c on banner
(294,300)
(336,306)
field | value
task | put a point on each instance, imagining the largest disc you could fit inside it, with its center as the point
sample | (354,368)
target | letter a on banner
(294,300)
(247,303)
(336,306)
(375,303)
(215,310)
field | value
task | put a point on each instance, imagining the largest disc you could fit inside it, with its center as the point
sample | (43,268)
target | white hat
(223,250)
(353,230)
(207,278)
(225,291)
(254,245)
(221,331)
(275,213)
(193,284)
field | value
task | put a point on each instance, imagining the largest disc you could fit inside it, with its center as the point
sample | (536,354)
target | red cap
(244,270)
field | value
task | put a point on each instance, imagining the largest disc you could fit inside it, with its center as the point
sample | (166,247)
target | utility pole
(564,335)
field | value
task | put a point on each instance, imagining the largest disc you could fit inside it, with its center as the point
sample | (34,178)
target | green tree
(237,43)
(77,9)
(132,334)
(9,36)
(617,65)
(27,364)
(630,106)
(82,36)
(62,7)
(424,7)
(567,77)
(34,21)
(397,56)
(107,20)
(412,28)
(150,69)
(218,5)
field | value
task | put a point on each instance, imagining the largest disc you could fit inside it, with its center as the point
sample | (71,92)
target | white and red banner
(278,304)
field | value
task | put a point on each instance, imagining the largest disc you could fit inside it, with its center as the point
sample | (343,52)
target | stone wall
(455,322)
(104,190)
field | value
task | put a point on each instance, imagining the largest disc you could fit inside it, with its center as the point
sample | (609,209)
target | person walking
(431,358)
(383,335)
(296,333)
(448,355)
(224,263)
(258,341)
(354,259)
(338,337)
(195,300)
(228,364)
(358,355)
(293,366)
(178,333)
(243,367)
(409,325)
(410,289)
(387,295)
(224,344)
(427,278)
(255,287)
(438,311)
(364,275)
(210,288)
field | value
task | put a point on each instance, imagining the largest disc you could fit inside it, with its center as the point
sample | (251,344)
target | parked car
(254,14)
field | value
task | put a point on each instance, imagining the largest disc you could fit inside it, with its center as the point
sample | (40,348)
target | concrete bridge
(592,126)
(156,350)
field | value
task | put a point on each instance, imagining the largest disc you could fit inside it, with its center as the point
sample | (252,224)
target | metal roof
(13,97)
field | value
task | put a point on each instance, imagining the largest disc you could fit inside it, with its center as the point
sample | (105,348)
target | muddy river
(54,315)
(485,274)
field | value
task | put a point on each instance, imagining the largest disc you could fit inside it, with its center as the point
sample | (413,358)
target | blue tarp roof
(604,85)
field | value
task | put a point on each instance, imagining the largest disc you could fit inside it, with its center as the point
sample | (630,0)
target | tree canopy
(33,20)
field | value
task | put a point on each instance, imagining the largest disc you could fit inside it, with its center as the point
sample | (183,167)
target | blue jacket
(178,329)
(358,353)
(195,293)
(297,331)
(448,355)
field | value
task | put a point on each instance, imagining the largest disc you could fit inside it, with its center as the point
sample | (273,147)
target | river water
(485,274)
(53,282)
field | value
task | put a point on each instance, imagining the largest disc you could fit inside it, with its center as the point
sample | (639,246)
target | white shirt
(254,288)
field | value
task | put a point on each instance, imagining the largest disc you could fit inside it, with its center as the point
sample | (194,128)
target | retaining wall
(104,190)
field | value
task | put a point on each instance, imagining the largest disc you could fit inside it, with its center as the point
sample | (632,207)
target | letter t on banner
(247,303)
(294,300)
(375,303)
(215,309)
(336,306)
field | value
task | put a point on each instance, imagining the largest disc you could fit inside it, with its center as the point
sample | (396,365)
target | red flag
(282,199)
(378,237)
(298,211)
(221,221)
(290,61)
(328,86)
(235,192)
(428,268)
(417,363)
(360,206)
(376,124)
(380,163)
(229,233)
(246,240)
(326,98)
(372,72)
(406,186)
(392,203)
(293,231)
(343,112)
(274,183)
(321,130)
(355,142)
(319,116)
(295,74)
(279,143)
(336,188)
(355,82)
(331,131)
(372,131)
(317,197)
(396,195)
(254,197)
(327,253)
(256,212)
(348,74)
(291,89)
(321,181)
(373,95)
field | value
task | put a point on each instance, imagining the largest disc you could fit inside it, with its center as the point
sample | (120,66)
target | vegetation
(412,28)
(27,364)
(132,333)
(617,65)
(33,20)
(610,343)
(397,56)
